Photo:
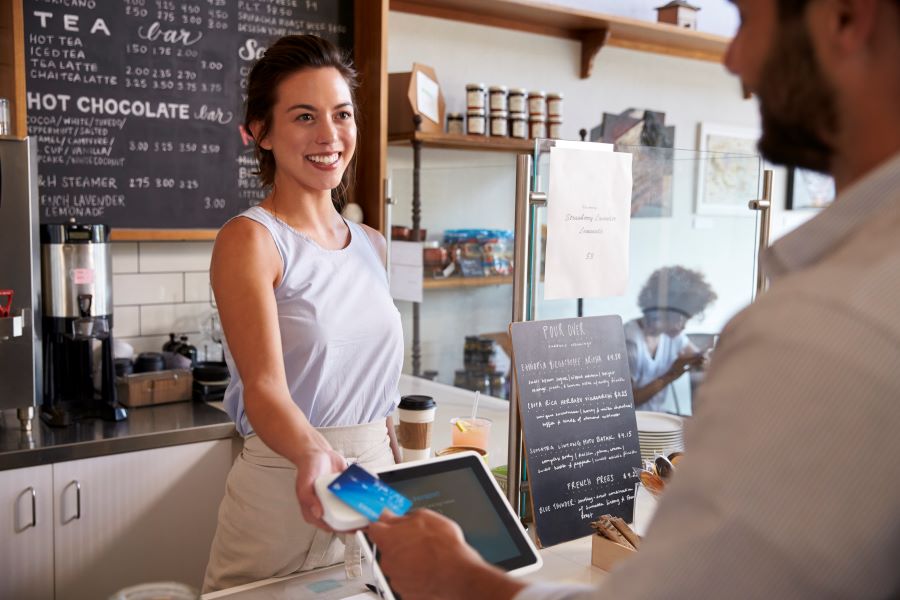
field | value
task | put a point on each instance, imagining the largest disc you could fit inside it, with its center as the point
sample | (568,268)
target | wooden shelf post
(12,64)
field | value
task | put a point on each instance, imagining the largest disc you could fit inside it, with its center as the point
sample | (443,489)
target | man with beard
(788,490)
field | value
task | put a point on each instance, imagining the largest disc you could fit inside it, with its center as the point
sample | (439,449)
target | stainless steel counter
(146,428)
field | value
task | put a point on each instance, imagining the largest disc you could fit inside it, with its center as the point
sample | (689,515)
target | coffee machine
(76,266)
(20,322)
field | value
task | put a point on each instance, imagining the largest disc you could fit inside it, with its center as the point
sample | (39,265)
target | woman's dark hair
(285,57)
(676,288)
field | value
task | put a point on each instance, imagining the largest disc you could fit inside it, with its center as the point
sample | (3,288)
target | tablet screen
(461,489)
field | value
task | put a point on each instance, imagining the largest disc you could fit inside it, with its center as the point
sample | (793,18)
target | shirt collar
(810,242)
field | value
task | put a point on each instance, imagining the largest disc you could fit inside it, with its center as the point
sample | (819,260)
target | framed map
(809,189)
(728,169)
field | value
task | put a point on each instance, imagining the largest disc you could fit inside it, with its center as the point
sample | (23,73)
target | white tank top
(341,337)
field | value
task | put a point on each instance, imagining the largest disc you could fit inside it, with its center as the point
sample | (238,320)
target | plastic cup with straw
(471,431)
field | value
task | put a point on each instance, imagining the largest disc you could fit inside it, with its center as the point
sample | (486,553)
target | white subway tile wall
(152,288)
(125,257)
(126,321)
(168,257)
(177,318)
(160,288)
(196,287)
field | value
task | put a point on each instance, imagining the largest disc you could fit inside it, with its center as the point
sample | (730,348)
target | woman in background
(659,352)
(313,339)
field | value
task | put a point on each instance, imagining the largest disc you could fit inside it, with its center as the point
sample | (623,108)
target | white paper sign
(427,94)
(588,224)
(406,271)
(595,146)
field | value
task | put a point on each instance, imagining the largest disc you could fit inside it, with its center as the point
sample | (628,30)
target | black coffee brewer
(76,267)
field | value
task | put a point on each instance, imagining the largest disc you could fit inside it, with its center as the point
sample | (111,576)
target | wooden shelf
(163,235)
(465,142)
(592,29)
(461,282)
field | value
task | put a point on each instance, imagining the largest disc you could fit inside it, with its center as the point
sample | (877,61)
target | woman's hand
(312,463)
(686,362)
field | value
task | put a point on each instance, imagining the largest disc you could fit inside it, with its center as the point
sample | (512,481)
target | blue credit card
(366,494)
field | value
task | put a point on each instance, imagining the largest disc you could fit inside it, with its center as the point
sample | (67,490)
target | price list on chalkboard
(578,420)
(137,105)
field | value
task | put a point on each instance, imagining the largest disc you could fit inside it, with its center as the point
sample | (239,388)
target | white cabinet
(109,522)
(26,533)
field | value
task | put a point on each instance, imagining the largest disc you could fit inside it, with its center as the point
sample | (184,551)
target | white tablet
(460,487)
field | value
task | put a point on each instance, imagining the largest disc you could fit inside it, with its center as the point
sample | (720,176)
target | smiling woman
(325,74)
(313,339)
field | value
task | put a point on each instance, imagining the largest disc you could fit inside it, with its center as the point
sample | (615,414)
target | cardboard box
(606,553)
(158,387)
(416,92)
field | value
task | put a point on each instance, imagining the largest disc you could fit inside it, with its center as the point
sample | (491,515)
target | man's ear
(847,24)
(255,131)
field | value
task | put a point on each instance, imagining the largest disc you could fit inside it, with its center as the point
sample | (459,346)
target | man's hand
(312,463)
(424,555)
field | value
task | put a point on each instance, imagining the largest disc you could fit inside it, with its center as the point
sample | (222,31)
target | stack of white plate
(659,433)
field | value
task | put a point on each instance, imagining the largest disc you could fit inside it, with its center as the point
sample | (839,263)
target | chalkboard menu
(581,440)
(137,104)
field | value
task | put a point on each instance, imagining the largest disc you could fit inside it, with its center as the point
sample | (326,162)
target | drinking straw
(475,405)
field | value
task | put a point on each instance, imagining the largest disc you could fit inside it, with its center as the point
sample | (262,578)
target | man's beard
(796,103)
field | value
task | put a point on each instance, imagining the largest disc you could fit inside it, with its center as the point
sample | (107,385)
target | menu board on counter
(581,440)
(137,105)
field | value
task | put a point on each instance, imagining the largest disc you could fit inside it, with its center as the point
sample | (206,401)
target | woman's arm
(682,365)
(392,434)
(245,268)
(642,395)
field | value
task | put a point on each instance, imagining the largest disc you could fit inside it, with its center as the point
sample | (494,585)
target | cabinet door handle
(33,507)
(77,500)
(77,485)
(27,491)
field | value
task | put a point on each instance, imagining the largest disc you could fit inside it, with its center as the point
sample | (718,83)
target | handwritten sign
(588,223)
(580,432)
(137,104)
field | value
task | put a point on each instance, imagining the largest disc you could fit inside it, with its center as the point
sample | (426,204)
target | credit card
(368,495)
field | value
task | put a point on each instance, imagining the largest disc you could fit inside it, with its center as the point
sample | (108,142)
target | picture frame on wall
(728,169)
(808,190)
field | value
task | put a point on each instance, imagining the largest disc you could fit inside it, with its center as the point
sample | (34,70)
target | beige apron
(261,531)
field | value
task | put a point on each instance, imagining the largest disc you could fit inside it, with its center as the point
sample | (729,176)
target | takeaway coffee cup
(416,422)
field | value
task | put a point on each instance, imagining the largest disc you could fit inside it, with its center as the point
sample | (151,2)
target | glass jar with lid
(475,96)
(497,95)
(537,102)
(537,127)
(475,121)
(555,105)
(518,100)
(461,379)
(434,257)
(4,117)
(554,128)
(499,123)
(456,123)
(518,125)
(499,389)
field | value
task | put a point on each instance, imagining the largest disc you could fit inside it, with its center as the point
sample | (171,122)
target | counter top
(187,422)
(569,562)
(145,428)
